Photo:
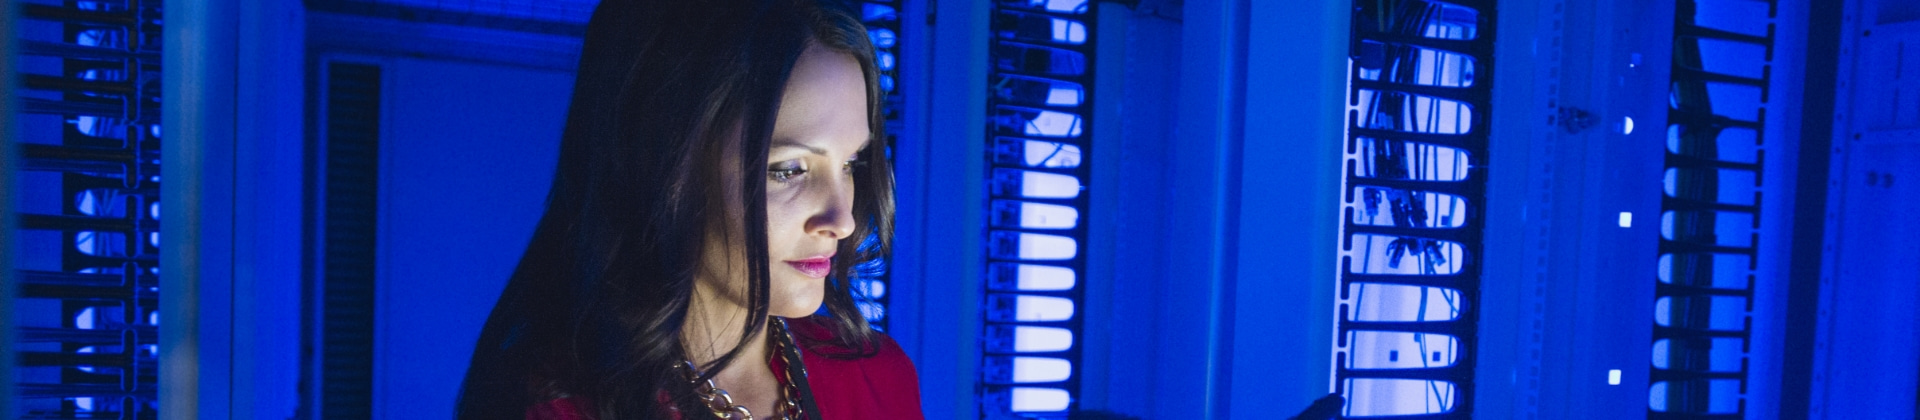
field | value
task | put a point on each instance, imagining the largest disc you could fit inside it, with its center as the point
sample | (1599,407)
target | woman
(717,184)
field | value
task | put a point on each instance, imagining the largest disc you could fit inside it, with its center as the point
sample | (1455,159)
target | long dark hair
(596,307)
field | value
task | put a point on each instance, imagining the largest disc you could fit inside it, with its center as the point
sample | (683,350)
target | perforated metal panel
(352,144)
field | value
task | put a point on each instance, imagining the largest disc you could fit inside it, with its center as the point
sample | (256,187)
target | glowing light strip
(1038,110)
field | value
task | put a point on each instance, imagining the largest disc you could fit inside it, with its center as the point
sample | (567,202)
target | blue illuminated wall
(457,204)
(1107,208)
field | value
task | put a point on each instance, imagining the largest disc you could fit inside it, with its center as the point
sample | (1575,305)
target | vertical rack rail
(1038,107)
(1710,209)
(90,212)
(1412,187)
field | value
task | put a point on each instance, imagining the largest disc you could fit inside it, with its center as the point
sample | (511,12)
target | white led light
(1042,308)
(84,319)
(1626,219)
(1041,369)
(84,241)
(1035,184)
(1044,277)
(1038,399)
(1061,5)
(1041,339)
(1048,154)
(1034,246)
(87,125)
(881,37)
(1048,216)
(1063,96)
(1069,31)
(1613,377)
(870,288)
(1053,124)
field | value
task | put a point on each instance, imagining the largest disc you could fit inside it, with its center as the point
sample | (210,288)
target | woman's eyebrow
(811,149)
(789,143)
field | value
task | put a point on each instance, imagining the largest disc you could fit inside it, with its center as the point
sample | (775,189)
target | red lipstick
(815,267)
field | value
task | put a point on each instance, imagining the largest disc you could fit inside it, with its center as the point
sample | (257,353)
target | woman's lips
(816,267)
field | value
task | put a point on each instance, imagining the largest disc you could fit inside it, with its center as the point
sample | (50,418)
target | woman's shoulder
(878,382)
(819,336)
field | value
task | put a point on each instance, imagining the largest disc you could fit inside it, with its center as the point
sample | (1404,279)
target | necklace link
(721,403)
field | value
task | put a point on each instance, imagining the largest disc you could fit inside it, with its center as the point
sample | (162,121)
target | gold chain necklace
(721,403)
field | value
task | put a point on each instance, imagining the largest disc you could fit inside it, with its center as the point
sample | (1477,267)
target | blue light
(1029,277)
(1069,31)
(1380,350)
(1031,215)
(875,12)
(1035,153)
(1039,91)
(1031,246)
(1003,307)
(1368,397)
(1381,302)
(881,37)
(1063,6)
(1029,399)
(1021,57)
(1025,369)
(1028,339)
(1034,184)
(1038,122)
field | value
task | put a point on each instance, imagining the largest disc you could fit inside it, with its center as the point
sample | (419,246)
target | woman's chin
(795,308)
(793,312)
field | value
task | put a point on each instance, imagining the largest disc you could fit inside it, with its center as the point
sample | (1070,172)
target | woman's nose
(835,218)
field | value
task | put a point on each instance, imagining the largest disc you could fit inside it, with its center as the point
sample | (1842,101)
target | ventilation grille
(352,147)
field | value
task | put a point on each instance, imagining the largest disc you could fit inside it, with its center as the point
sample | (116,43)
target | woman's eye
(784,172)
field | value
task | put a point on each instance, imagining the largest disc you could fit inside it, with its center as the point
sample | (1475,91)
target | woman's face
(820,129)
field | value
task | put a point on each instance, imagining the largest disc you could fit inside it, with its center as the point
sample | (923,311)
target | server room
(1102,209)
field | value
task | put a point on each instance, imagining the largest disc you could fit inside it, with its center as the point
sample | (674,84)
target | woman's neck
(713,328)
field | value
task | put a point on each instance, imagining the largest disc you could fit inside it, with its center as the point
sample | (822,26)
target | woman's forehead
(825,103)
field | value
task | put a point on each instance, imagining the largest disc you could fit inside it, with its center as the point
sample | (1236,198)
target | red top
(883,386)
